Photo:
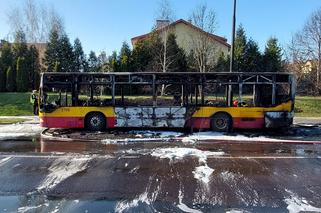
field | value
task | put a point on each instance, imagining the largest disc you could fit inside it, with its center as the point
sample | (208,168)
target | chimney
(162,23)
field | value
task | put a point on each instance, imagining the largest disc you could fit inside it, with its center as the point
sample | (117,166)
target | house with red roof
(187,36)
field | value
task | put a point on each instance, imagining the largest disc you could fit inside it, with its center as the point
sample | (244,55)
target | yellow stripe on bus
(79,111)
(201,112)
(237,112)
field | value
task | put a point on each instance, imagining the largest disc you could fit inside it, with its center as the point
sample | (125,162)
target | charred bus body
(147,99)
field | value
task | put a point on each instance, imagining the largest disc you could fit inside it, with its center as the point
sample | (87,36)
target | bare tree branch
(36,20)
(203,48)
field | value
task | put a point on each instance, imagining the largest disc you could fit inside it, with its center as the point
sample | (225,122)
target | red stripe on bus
(62,122)
(198,123)
(248,123)
(70,122)
(238,123)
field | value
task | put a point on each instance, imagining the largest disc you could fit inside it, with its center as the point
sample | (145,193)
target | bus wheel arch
(221,122)
(95,121)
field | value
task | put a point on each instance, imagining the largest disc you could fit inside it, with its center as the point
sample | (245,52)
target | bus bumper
(278,119)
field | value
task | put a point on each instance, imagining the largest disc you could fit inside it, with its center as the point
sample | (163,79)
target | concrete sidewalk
(307,120)
(29,119)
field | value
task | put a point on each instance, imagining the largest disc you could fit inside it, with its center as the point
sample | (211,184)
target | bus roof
(167,73)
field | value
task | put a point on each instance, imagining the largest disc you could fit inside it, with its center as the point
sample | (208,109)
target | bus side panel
(62,122)
(111,122)
(74,117)
(243,117)
(248,123)
(198,123)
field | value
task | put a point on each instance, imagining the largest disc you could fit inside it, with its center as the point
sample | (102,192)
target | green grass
(14,104)
(307,106)
(11,120)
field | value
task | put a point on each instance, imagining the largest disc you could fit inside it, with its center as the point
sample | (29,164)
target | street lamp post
(230,92)
(233,38)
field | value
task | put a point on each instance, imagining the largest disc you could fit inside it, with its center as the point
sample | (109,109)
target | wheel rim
(221,123)
(95,121)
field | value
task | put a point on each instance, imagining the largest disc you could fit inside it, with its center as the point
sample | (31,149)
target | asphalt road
(49,176)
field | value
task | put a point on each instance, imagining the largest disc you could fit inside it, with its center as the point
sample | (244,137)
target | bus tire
(95,121)
(221,122)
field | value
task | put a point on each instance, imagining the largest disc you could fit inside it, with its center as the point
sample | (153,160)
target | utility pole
(230,92)
(233,38)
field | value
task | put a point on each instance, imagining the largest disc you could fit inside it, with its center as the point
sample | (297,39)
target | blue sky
(105,24)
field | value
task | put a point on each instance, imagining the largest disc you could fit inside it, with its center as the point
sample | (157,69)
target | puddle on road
(41,145)
(164,176)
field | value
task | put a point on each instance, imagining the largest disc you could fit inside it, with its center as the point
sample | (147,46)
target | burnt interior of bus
(165,89)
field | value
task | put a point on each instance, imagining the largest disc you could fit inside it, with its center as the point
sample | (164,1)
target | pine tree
(93,65)
(66,55)
(6,61)
(34,71)
(57,67)
(114,63)
(80,61)
(176,55)
(142,55)
(103,62)
(240,47)
(272,58)
(191,63)
(22,75)
(52,51)
(222,64)
(20,48)
(125,59)
(252,57)
(10,81)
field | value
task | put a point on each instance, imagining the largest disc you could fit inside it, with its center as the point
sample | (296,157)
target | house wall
(187,36)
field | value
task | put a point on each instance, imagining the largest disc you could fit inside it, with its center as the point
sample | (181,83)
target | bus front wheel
(95,122)
(221,122)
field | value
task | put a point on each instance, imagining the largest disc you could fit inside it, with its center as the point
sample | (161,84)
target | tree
(272,58)
(203,50)
(223,63)
(57,67)
(240,48)
(20,48)
(66,55)
(306,46)
(34,74)
(37,20)
(113,62)
(142,55)
(103,62)
(6,60)
(10,81)
(80,62)
(52,51)
(165,11)
(22,75)
(252,57)
(59,50)
(176,55)
(125,58)
(93,65)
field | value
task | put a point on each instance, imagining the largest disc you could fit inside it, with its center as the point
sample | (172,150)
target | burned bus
(98,101)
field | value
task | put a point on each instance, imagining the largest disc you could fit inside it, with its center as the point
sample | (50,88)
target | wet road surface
(40,175)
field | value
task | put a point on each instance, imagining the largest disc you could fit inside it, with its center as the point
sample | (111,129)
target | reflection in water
(254,177)
(45,145)
(231,149)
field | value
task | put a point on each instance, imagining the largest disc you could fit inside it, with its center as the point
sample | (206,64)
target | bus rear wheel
(221,122)
(95,122)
